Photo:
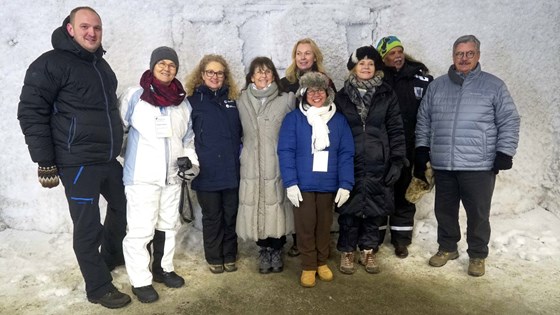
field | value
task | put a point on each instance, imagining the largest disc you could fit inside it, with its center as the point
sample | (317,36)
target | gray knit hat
(316,80)
(162,53)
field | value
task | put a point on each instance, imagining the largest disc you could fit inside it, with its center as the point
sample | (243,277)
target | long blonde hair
(194,79)
(292,70)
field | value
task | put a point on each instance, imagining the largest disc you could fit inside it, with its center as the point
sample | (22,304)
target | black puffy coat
(68,108)
(410,85)
(378,144)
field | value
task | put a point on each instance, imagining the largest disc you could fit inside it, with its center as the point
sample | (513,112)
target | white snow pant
(149,207)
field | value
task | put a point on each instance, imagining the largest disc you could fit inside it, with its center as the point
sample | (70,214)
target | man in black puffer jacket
(69,115)
(409,79)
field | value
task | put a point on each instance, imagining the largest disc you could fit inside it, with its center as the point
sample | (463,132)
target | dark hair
(75,10)
(263,62)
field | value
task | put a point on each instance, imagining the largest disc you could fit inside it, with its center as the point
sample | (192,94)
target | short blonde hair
(194,79)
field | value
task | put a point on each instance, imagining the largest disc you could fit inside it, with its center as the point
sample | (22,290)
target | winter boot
(112,299)
(442,257)
(146,294)
(325,273)
(307,279)
(276,260)
(265,265)
(347,263)
(367,258)
(476,267)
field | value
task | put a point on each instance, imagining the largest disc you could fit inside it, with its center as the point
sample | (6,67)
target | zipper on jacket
(107,111)
(168,154)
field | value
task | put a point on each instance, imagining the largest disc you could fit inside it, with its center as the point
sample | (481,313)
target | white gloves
(342,196)
(294,195)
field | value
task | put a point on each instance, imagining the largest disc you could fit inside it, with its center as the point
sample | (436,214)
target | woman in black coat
(372,110)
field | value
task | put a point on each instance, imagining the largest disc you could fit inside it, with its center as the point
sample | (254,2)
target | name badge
(320,161)
(163,127)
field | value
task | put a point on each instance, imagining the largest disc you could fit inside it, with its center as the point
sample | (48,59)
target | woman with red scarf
(156,118)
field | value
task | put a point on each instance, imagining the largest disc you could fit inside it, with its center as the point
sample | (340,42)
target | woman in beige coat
(265,214)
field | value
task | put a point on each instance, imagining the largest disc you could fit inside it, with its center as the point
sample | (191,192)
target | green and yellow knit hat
(387,43)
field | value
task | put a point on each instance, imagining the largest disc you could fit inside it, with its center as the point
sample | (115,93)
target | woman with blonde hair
(212,94)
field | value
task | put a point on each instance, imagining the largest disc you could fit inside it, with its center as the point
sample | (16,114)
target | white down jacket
(150,159)
(465,125)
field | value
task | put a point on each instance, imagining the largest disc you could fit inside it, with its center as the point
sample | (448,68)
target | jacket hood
(61,40)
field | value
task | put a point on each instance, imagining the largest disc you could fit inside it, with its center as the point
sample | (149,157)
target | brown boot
(367,258)
(476,267)
(441,258)
(347,263)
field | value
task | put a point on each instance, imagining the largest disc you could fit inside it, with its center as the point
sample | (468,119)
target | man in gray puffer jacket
(468,128)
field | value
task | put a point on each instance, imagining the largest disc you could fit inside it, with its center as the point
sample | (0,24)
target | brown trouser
(313,220)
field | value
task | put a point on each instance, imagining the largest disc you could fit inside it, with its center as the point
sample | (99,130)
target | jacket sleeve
(395,130)
(188,139)
(346,157)
(287,144)
(423,119)
(507,122)
(37,105)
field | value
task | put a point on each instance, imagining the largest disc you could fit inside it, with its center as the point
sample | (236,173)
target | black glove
(393,174)
(421,158)
(48,176)
(502,162)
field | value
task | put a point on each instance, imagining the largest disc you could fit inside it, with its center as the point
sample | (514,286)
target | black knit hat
(162,53)
(363,52)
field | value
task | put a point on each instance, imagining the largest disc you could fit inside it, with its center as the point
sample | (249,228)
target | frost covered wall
(520,41)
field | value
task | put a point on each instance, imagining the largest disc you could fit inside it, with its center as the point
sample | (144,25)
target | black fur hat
(365,51)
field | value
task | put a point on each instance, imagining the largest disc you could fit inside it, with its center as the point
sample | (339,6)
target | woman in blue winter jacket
(217,128)
(316,153)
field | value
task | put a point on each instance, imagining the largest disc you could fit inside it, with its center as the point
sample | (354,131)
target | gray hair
(467,39)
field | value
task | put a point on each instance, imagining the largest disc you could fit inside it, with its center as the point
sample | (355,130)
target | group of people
(267,161)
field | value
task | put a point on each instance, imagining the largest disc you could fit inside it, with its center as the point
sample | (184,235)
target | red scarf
(158,94)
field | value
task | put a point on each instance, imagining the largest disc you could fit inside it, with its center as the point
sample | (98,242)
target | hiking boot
(146,294)
(112,299)
(230,267)
(216,268)
(476,267)
(307,279)
(294,251)
(347,263)
(441,258)
(170,279)
(325,273)
(265,265)
(276,260)
(401,251)
(367,258)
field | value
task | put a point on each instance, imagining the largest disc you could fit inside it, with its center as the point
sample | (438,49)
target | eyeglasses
(170,65)
(211,73)
(266,72)
(460,54)
(315,91)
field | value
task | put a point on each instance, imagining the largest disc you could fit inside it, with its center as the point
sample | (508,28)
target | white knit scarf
(318,117)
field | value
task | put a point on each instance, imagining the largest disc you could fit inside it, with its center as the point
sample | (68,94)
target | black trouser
(401,222)
(274,243)
(474,190)
(357,231)
(219,213)
(83,185)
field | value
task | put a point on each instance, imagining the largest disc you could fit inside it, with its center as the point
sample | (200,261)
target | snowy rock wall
(520,41)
